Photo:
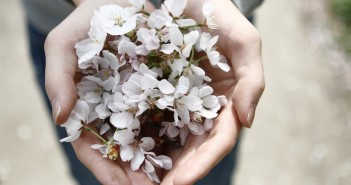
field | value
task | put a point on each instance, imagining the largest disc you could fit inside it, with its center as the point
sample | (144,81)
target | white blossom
(116,20)
(79,118)
(207,9)
(183,44)
(135,67)
(207,43)
(91,46)
(175,7)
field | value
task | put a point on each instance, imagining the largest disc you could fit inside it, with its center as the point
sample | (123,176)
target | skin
(239,42)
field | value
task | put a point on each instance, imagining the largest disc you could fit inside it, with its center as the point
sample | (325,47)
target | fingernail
(56,109)
(251,115)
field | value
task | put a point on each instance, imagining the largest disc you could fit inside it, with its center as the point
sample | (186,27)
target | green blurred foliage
(342,11)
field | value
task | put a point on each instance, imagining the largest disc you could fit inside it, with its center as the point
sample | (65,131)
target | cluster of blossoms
(138,67)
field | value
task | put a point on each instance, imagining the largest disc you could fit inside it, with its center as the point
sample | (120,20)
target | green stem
(198,60)
(144,12)
(192,54)
(193,26)
(93,132)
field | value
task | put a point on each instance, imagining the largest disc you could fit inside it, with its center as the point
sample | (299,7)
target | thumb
(61,60)
(59,79)
(246,95)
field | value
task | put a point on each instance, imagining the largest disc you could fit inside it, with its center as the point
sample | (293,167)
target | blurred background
(302,131)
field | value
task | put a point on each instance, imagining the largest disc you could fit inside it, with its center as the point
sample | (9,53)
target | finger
(61,61)
(136,177)
(108,172)
(240,42)
(180,156)
(219,143)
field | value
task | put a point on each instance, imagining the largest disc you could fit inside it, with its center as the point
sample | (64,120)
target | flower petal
(150,171)
(166,87)
(175,36)
(147,143)
(124,137)
(126,153)
(104,128)
(72,137)
(121,120)
(137,160)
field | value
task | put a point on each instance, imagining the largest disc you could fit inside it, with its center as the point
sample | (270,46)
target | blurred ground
(301,134)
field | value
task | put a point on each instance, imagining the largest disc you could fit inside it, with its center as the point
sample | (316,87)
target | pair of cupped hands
(243,85)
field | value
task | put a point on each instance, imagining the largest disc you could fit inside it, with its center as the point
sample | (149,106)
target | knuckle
(246,39)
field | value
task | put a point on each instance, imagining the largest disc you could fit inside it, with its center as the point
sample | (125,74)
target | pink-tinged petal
(152,43)
(126,153)
(172,131)
(104,128)
(147,143)
(166,87)
(167,48)
(222,100)
(124,137)
(121,120)
(186,22)
(196,128)
(72,137)
(81,110)
(114,62)
(210,101)
(137,160)
(208,124)
(141,50)
(143,70)
(154,161)
(175,36)
(149,169)
(162,161)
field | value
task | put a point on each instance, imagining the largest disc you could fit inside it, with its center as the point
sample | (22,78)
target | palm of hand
(201,153)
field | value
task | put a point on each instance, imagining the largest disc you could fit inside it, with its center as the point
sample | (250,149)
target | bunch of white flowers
(137,68)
